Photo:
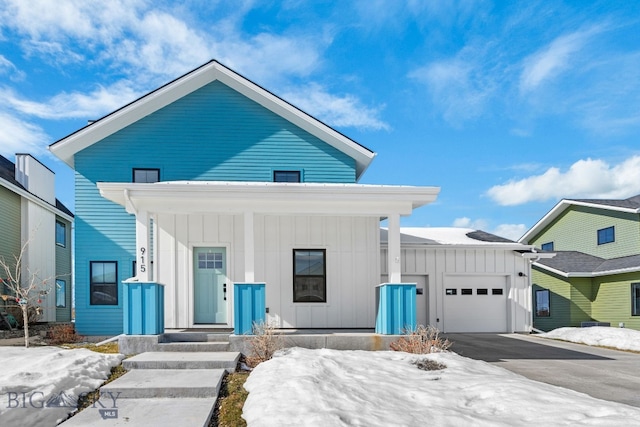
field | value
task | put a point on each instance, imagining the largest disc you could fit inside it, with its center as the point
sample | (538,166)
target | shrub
(63,333)
(264,342)
(429,365)
(422,340)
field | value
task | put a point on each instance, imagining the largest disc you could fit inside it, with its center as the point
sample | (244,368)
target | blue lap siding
(212,134)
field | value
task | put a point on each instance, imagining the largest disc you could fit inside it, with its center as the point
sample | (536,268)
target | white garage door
(475,304)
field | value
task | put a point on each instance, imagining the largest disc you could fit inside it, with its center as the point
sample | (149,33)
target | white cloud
(17,136)
(458,86)
(74,105)
(510,231)
(9,68)
(586,178)
(465,222)
(343,111)
(552,59)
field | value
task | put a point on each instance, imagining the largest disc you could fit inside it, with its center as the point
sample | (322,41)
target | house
(467,280)
(211,181)
(31,213)
(595,275)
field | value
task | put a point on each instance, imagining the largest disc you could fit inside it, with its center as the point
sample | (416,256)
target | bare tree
(25,285)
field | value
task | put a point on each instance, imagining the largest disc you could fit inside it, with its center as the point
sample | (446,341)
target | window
(309,275)
(635,299)
(547,246)
(61,234)
(466,291)
(103,284)
(451,291)
(146,175)
(210,261)
(606,235)
(482,291)
(61,293)
(286,176)
(496,291)
(542,303)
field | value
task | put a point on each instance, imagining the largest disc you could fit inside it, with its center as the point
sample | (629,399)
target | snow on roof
(454,236)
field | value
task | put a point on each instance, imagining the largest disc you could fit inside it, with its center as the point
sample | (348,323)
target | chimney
(36,177)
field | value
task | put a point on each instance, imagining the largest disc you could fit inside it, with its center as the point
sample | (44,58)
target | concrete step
(174,383)
(195,337)
(192,346)
(145,413)
(183,360)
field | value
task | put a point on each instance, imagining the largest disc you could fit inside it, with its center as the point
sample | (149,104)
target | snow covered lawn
(359,388)
(36,382)
(620,338)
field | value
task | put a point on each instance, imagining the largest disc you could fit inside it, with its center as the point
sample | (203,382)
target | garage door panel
(475,304)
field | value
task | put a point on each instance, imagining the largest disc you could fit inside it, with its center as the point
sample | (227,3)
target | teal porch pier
(143,309)
(396,308)
(249,307)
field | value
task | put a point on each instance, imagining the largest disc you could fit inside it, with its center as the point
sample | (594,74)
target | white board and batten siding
(472,269)
(352,265)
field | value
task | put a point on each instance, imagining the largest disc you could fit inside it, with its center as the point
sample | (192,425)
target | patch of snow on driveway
(620,338)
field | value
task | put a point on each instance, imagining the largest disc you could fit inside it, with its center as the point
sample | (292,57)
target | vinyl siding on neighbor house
(612,300)
(9,224)
(212,134)
(63,272)
(576,229)
(569,300)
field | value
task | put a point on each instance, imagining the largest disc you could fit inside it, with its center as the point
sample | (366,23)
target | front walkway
(599,372)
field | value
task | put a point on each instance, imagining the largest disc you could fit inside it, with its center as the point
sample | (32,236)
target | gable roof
(579,264)
(8,180)
(66,147)
(630,205)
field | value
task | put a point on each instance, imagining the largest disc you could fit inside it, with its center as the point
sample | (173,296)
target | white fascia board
(321,199)
(561,207)
(66,148)
(588,274)
(32,198)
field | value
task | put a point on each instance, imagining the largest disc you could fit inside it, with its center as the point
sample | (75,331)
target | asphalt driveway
(601,373)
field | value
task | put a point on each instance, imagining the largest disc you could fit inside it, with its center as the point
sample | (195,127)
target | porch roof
(268,197)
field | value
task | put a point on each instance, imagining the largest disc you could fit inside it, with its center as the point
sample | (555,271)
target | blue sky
(508,106)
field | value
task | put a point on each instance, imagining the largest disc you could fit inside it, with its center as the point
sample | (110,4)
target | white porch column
(143,263)
(393,249)
(249,248)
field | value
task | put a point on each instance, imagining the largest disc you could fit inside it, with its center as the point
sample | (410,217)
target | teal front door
(209,282)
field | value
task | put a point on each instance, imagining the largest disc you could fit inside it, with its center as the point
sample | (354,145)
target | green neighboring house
(29,211)
(595,274)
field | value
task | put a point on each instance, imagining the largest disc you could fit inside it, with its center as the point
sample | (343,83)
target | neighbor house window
(635,299)
(547,246)
(61,234)
(309,275)
(146,175)
(61,293)
(103,285)
(542,303)
(606,235)
(286,176)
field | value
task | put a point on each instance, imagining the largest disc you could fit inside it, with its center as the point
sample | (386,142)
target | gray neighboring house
(30,210)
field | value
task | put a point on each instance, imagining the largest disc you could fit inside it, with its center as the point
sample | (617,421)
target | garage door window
(496,291)
(482,291)
(451,291)
(467,291)
(542,303)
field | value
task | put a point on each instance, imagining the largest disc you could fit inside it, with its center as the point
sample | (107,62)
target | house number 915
(143,267)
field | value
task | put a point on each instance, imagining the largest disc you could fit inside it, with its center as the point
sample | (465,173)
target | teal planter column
(248,307)
(396,308)
(143,308)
